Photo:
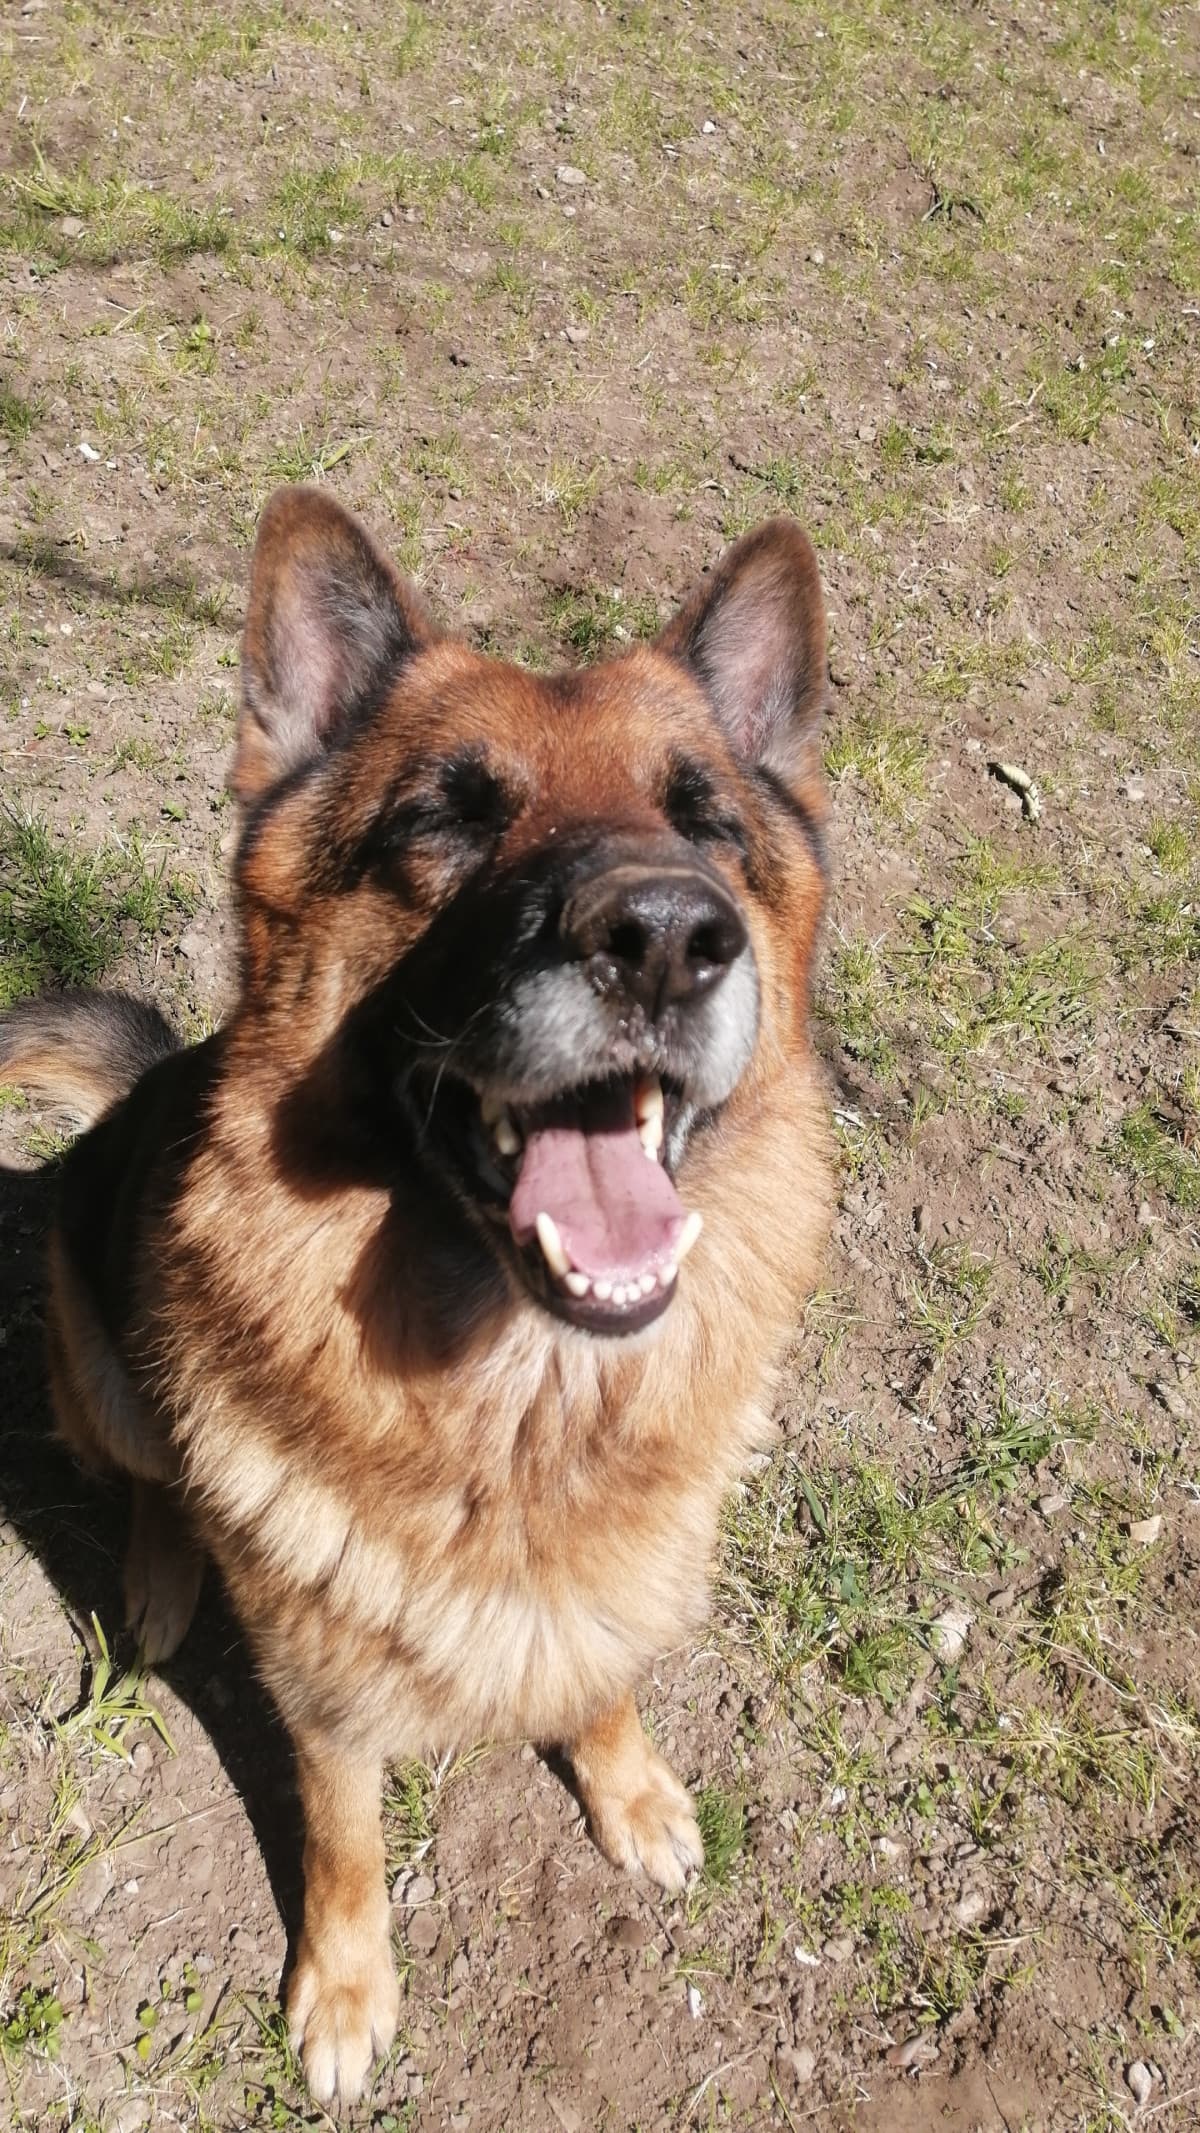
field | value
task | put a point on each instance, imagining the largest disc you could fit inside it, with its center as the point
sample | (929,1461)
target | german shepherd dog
(437,1296)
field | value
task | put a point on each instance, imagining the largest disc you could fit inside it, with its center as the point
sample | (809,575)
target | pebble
(797,2062)
(421,1889)
(695,2002)
(423,1933)
(568,174)
(628,1932)
(1050,1506)
(839,1950)
(71,226)
(948,1634)
(1167,1397)
(915,2052)
(1145,1531)
(1139,2081)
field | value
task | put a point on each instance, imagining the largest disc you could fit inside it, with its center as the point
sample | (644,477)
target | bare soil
(560,301)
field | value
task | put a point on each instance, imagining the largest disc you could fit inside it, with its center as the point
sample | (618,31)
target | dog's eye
(474,797)
(460,803)
(693,806)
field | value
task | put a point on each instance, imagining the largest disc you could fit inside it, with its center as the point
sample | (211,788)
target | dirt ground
(561,300)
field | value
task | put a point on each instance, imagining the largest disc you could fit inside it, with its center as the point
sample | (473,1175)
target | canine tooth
(602,1291)
(667,1273)
(577,1283)
(688,1235)
(505,1135)
(648,1110)
(648,1282)
(552,1246)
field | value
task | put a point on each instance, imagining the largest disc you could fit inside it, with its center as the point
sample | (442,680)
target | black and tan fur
(281,1301)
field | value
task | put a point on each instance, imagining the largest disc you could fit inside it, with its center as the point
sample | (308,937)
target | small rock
(577,335)
(129,2114)
(568,174)
(1003,1600)
(1133,790)
(421,1889)
(1145,1531)
(386,218)
(1051,1506)
(1139,2081)
(71,226)
(628,1933)
(796,2063)
(972,1907)
(949,1633)
(817,256)
(460,2120)
(838,1950)
(695,2002)
(567,2115)
(913,2054)
(922,1221)
(708,127)
(423,1933)
(87,451)
(1145,1214)
(1167,1397)
(867,433)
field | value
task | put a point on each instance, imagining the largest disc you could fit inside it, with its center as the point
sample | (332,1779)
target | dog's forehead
(620,719)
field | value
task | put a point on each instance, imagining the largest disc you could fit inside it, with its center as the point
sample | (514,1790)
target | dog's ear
(754,634)
(328,622)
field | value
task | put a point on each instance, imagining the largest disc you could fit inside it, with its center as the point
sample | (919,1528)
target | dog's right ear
(328,622)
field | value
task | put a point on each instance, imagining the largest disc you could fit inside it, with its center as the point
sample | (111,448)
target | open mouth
(592,1209)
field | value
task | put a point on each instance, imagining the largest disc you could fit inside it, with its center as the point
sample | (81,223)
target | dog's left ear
(329,621)
(754,634)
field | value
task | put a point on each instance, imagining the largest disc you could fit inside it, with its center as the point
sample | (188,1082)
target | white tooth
(648,1111)
(667,1273)
(650,1135)
(578,1284)
(552,1246)
(618,1295)
(602,1291)
(648,1282)
(688,1235)
(648,1100)
(505,1135)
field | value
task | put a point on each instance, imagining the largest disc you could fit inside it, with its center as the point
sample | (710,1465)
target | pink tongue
(617,1212)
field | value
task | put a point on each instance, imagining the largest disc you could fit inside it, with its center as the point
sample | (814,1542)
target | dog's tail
(82,1050)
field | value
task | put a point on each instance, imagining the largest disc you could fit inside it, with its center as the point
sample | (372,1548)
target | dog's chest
(505,1587)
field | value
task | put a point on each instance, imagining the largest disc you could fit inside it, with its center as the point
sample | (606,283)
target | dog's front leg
(344,1998)
(640,1814)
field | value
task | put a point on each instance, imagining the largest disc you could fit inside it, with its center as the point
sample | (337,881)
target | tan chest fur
(492,1544)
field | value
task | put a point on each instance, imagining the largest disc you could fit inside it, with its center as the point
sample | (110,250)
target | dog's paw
(340,2020)
(163,1575)
(652,1828)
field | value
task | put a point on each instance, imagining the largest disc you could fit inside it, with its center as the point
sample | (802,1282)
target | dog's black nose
(661,937)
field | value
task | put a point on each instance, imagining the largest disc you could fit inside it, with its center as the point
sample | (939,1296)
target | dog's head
(547,925)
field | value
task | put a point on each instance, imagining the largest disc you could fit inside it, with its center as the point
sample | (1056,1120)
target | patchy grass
(65,918)
(798,265)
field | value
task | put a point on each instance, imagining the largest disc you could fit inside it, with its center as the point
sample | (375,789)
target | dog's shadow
(77,1526)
